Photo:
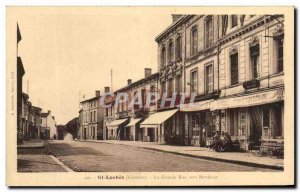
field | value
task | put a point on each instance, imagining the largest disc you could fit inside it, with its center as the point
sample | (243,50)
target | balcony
(122,114)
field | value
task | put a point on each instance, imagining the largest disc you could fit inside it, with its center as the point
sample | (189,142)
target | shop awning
(197,106)
(116,122)
(133,121)
(158,118)
(264,97)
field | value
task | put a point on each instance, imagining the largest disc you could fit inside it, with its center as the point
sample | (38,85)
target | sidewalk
(242,158)
(33,144)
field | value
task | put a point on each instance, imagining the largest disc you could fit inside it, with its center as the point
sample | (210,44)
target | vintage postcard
(150,96)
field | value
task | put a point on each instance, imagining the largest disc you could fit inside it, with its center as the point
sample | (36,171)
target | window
(163,87)
(279,54)
(170,52)
(143,96)
(194,81)
(152,91)
(234,69)
(91,117)
(170,87)
(106,112)
(209,79)
(194,40)
(163,57)
(254,59)
(178,84)
(266,122)
(242,128)
(178,48)
(234,21)
(208,32)
(95,116)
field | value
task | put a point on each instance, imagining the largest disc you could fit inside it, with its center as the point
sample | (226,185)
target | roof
(159,117)
(44,114)
(154,75)
(170,27)
(93,98)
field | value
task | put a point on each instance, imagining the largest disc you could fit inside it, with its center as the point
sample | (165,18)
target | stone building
(251,73)
(233,64)
(126,124)
(48,126)
(92,118)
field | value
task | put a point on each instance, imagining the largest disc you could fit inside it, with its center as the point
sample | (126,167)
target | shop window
(278,115)
(194,81)
(208,32)
(194,40)
(279,53)
(234,69)
(234,21)
(209,79)
(178,48)
(254,60)
(242,128)
(266,122)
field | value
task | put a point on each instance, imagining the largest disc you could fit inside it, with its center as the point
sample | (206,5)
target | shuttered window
(234,71)
(209,79)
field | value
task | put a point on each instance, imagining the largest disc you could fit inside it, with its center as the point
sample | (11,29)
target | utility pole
(111,80)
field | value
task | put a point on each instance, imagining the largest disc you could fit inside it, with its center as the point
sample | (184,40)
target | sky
(66,52)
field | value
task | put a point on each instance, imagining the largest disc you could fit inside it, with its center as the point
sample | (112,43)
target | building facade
(251,73)
(130,113)
(48,126)
(92,119)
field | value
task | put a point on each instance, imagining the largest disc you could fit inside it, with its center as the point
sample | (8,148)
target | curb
(50,152)
(251,164)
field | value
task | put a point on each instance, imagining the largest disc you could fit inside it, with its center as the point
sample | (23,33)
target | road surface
(103,157)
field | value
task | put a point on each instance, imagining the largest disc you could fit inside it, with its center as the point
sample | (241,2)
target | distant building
(127,119)
(48,127)
(92,118)
(61,132)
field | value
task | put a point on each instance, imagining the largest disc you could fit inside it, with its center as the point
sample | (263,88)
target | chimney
(147,72)
(97,93)
(49,111)
(175,17)
(129,81)
(106,89)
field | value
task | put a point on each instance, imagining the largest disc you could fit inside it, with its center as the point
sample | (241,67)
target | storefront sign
(249,100)
(196,106)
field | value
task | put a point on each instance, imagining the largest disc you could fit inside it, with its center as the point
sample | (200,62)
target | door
(84,134)
(151,134)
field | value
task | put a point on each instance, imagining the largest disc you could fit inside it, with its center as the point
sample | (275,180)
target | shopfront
(253,118)
(200,123)
(157,126)
(116,129)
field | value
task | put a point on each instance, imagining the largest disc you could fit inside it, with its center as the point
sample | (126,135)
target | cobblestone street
(102,157)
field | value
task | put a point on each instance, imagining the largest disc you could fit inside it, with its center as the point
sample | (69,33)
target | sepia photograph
(150,96)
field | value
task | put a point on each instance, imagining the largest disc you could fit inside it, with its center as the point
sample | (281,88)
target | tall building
(20,74)
(251,73)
